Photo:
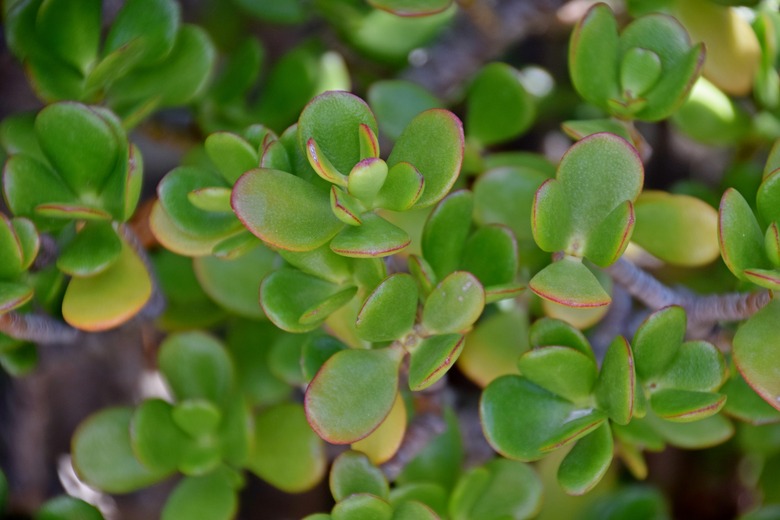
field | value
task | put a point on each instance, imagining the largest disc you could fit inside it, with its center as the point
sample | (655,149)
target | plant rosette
(643,72)
(73,172)
(568,399)
(148,60)
(336,133)
(586,212)
(209,433)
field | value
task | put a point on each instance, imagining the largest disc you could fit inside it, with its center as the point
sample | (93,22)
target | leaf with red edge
(569,283)
(756,351)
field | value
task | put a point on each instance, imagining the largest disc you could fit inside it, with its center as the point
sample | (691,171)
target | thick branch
(38,328)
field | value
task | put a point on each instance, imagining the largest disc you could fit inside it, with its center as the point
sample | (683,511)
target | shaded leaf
(585,465)
(353,473)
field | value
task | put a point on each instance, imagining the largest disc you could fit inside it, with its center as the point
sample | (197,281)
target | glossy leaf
(658,340)
(231,154)
(685,405)
(346,208)
(563,371)
(454,304)
(211,496)
(389,311)
(103,457)
(376,237)
(755,349)
(109,298)
(92,251)
(445,232)
(499,108)
(381,444)
(402,189)
(287,453)
(585,465)
(548,332)
(546,422)
(491,254)
(283,210)
(366,178)
(593,50)
(616,384)
(353,473)
(196,366)
(352,393)
(28,183)
(698,366)
(433,143)
(569,283)
(432,358)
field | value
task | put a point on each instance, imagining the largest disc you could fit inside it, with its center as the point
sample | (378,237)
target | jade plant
(377,255)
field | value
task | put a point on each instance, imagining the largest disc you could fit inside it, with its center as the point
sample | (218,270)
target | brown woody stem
(38,328)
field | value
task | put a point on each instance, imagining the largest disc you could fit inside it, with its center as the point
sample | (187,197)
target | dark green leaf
(432,358)
(616,384)
(157,440)
(389,311)
(93,250)
(445,232)
(564,371)
(585,465)
(66,507)
(658,340)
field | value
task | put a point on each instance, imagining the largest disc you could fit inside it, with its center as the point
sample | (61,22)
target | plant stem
(38,328)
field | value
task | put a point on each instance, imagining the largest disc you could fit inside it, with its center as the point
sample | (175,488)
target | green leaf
(287,454)
(705,433)
(283,210)
(685,405)
(432,495)
(109,298)
(389,311)
(79,143)
(157,441)
(234,436)
(211,496)
(616,384)
(433,143)
(411,7)
(369,142)
(376,237)
(251,359)
(322,263)
(71,30)
(593,56)
(298,302)
(366,178)
(698,366)
(499,108)
(491,255)
(679,229)
(432,358)
(587,463)
(13,295)
(657,341)
(320,163)
(454,304)
(544,423)
(316,352)
(610,238)
(29,241)
(213,199)
(579,129)
(403,187)
(235,284)
(439,461)
(564,371)
(92,251)
(493,346)
(332,120)
(362,506)
(197,417)
(72,212)
(755,352)
(445,232)
(196,366)
(352,473)
(346,208)
(745,404)
(414,510)
(353,393)
(151,26)
(548,332)
(640,70)
(397,102)
(11,250)
(231,154)
(28,183)
(66,507)
(569,283)
(499,489)
(103,457)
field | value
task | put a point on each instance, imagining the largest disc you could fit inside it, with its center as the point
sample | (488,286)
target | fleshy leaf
(231,154)
(283,210)
(197,417)
(740,237)
(432,358)
(569,283)
(66,507)
(446,230)
(352,393)
(546,422)
(152,25)
(616,384)
(564,371)
(287,452)
(454,304)
(92,251)
(213,199)
(704,433)
(491,255)
(376,237)
(433,143)
(698,366)
(360,506)
(28,183)
(685,405)
(658,340)
(322,165)
(389,311)
(755,351)
(411,7)
(346,208)
(548,332)
(366,178)
(353,473)
(110,297)
(287,294)
(610,238)
(103,457)
(196,366)
(499,108)
(381,444)
(585,465)
(157,440)
(403,187)
(397,102)
(593,54)
(211,496)
(13,295)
